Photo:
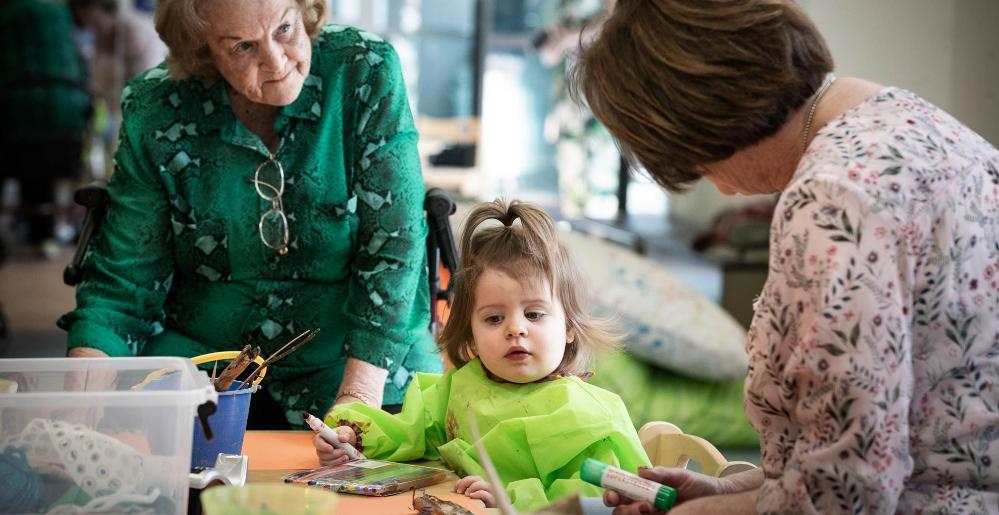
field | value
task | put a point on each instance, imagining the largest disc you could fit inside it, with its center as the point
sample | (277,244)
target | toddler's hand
(329,455)
(475,487)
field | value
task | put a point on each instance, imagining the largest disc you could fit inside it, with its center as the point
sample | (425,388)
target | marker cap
(592,471)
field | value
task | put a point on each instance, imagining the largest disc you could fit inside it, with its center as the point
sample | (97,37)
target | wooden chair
(668,446)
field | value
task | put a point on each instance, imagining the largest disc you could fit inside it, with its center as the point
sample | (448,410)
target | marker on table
(330,435)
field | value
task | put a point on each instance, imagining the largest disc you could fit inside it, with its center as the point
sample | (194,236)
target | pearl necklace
(811,110)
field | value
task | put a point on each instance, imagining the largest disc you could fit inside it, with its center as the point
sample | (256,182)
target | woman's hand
(688,485)
(86,352)
(99,378)
(329,455)
(474,487)
(94,379)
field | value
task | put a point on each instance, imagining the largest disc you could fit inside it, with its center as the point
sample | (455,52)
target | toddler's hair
(528,251)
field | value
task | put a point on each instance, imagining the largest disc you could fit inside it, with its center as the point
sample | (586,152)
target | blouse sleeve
(388,301)
(835,357)
(120,300)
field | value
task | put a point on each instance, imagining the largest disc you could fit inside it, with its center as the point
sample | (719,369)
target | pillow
(665,323)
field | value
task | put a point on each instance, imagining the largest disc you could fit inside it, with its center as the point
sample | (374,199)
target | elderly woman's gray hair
(184,30)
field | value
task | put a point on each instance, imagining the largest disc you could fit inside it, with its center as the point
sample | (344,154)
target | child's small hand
(329,455)
(475,487)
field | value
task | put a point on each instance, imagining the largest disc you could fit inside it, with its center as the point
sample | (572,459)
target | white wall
(946,51)
(975,97)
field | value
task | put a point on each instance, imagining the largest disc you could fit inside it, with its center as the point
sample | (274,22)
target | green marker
(627,484)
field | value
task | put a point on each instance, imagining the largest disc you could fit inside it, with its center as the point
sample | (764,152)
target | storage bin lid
(149,381)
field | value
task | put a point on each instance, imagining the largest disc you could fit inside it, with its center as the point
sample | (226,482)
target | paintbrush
(285,350)
(503,503)
(235,368)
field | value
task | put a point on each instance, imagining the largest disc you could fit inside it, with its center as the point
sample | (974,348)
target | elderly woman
(267,182)
(872,375)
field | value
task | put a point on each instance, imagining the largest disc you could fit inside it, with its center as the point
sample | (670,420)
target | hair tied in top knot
(512,214)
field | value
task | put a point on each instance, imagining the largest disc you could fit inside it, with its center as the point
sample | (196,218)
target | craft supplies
(427,504)
(23,490)
(106,446)
(330,435)
(369,477)
(503,502)
(235,368)
(296,343)
(229,469)
(228,425)
(629,485)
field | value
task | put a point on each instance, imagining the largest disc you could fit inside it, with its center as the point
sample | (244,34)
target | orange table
(275,454)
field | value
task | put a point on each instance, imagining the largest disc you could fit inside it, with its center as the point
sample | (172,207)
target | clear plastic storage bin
(89,435)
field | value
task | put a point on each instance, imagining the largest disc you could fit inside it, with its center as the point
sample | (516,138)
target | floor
(33,296)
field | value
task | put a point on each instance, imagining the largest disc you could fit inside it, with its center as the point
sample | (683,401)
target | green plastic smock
(536,434)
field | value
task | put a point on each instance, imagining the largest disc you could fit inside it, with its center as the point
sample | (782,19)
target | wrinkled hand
(688,485)
(98,378)
(474,487)
(94,379)
(329,455)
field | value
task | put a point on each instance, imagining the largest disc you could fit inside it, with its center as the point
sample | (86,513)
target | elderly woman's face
(260,48)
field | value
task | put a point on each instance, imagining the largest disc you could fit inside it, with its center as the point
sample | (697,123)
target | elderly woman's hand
(95,378)
(688,485)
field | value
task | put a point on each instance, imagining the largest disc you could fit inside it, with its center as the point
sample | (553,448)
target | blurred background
(486,84)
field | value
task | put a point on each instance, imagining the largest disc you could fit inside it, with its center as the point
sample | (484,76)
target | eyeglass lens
(269,179)
(273,226)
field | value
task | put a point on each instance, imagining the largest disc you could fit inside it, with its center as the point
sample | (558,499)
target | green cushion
(712,410)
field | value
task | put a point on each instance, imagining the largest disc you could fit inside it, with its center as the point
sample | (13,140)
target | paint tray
(369,477)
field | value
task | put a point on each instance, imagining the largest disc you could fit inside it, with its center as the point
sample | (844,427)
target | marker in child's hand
(329,435)
(627,484)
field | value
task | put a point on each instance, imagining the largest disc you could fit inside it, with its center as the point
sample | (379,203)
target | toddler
(520,339)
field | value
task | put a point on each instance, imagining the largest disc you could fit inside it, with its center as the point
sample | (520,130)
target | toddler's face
(519,329)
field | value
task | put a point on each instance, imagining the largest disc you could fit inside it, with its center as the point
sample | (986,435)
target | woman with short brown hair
(681,85)
(872,350)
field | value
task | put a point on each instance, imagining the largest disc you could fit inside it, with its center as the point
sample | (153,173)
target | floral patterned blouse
(874,352)
(178,267)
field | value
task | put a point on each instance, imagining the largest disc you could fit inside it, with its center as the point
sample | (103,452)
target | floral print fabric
(874,351)
(178,267)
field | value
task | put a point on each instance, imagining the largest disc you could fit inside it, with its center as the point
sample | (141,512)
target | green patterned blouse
(178,267)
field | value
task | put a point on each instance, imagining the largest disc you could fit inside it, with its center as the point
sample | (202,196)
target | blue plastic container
(228,427)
